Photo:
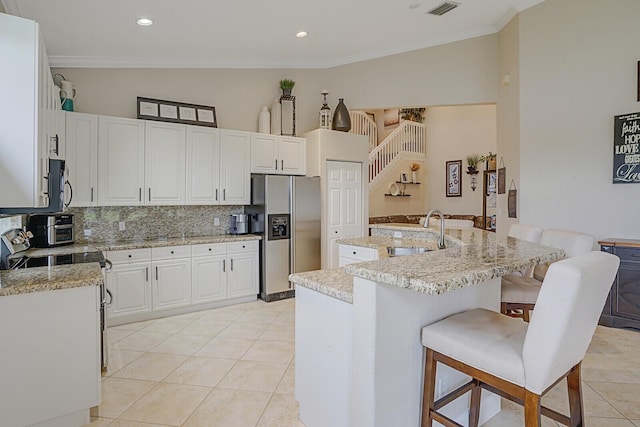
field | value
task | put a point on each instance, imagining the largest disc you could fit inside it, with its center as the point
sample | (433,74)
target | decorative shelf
(397,195)
(402,182)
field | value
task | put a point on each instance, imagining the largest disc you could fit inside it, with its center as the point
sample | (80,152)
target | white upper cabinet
(81,149)
(292,155)
(25,119)
(165,145)
(203,166)
(235,173)
(273,154)
(120,161)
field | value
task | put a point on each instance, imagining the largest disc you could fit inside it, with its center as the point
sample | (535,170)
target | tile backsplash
(149,222)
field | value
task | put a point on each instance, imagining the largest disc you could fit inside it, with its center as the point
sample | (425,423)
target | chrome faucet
(426,225)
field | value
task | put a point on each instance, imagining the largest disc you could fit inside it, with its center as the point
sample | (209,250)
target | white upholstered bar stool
(522,361)
(520,293)
(527,233)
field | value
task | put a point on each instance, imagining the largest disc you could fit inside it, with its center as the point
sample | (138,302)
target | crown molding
(123,62)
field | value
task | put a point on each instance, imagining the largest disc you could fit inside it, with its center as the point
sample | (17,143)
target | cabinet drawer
(209,249)
(133,255)
(357,253)
(171,252)
(243,246)
(628,254)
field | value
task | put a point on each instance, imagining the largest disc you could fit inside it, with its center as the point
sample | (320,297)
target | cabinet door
(264,153)
(164,163)
(235,174)
(292,155)
(120,161)
(203,166)
(82,157)
(130,288)
(626,291)
(171,283)
(243,274)
(209,279)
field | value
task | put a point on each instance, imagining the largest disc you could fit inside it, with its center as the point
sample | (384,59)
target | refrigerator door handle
(292,237)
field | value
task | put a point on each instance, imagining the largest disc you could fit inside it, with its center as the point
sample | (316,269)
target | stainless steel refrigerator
(285,210)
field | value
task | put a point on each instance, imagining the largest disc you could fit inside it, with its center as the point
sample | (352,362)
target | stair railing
(362,124)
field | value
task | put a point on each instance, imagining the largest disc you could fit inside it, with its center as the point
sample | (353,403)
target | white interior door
(344,206)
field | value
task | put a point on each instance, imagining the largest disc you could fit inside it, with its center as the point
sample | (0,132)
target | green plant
(287,84)
(474,159)
(489,156)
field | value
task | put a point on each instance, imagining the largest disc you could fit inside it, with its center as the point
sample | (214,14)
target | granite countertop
(471,256)
(117,245)
(334,283)
(40,279)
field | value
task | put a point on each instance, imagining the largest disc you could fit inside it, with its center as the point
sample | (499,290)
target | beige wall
(508,118)
(453,132)
(379,204)
(578,68)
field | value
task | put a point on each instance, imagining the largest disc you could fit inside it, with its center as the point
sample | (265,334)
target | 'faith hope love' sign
(626,149)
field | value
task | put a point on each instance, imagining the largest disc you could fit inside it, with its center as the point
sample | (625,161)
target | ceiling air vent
(443,8)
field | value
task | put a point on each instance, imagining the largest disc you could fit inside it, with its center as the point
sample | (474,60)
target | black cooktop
(64,259)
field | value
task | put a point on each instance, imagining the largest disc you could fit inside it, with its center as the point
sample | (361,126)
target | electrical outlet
(122,226)
(87,232)
(216,221)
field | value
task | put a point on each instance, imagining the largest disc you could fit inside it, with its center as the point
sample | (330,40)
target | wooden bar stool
(521,361)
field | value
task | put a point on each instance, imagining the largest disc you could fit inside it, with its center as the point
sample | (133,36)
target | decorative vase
(276,114)
(264,121)
(414,176)
(341,119)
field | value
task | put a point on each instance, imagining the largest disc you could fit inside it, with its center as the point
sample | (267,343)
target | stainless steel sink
(396,251)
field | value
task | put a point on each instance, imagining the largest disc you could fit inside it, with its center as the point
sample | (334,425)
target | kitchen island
(359,357)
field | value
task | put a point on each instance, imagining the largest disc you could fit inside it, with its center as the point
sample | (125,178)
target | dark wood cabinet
(622,309)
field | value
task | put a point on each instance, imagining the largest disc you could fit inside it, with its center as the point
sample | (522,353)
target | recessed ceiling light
(414,5)
(301,34)
(144,22)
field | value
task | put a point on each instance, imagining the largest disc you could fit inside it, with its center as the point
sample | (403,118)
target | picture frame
(404,177)
(176,112)
(453,178)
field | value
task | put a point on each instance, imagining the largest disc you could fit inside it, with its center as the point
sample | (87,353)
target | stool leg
(531,409)
(574,386)
(474,410)
(429,388)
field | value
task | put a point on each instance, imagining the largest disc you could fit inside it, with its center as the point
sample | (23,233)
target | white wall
(578,68)
(453,132)
(380,205)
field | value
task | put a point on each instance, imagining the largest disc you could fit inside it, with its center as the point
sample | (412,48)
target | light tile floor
(234,367)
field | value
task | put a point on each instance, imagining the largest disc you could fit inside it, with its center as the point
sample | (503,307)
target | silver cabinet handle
(231,264)
(224,194)
(216,194)
(146,274)
(92,194)
(156,272)
(276,164)
(140,194)
(224,266)
(281,165)
(149,193)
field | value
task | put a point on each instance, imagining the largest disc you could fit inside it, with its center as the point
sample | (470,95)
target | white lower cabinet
(243,268)
(129,282)
(149,283)
(351,254)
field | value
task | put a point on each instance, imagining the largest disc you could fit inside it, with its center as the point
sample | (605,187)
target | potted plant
(287,85)
(491,161)
(472,162)
(415,167)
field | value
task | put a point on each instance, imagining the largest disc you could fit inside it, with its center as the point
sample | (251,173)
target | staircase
(407,142)
(361,124)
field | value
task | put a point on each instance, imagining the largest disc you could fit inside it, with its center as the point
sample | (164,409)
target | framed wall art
(176,112)
(454,186)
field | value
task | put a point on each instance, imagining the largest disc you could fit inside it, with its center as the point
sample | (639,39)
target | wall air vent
(445,7)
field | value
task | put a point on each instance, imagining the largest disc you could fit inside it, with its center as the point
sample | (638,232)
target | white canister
(264,121)
(276,116)
(67,90)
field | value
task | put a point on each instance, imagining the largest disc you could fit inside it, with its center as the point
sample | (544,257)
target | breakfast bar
(359,357)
